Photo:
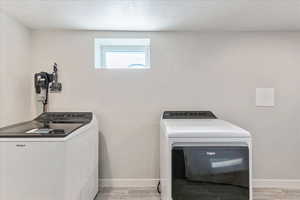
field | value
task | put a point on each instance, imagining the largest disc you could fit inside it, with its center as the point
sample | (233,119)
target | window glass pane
(126,53)
(116,59)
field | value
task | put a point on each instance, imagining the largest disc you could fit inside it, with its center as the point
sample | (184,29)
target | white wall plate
(265,97)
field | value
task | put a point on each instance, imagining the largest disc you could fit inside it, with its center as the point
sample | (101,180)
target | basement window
(122,53)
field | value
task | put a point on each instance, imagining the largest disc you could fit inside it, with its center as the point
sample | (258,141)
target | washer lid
(202,128)
(48,125)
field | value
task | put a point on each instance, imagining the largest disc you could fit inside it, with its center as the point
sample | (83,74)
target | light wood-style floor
(151,194)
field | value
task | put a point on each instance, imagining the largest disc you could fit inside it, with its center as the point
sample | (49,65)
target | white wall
(15,71)
(217,72)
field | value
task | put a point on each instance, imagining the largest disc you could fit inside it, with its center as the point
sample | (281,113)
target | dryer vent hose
(158,187)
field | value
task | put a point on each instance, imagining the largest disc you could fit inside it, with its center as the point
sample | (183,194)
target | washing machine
(202,157)
(53,157)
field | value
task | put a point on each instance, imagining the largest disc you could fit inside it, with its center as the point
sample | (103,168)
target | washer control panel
(66,117)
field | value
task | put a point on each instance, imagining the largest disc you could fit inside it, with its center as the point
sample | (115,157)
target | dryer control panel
(188,115)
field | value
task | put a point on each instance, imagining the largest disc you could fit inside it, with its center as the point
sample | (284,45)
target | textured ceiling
(157,15)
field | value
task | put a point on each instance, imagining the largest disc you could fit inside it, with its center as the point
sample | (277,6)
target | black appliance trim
(188,115)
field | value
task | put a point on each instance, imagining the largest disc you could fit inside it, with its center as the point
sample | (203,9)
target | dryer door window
(210,173)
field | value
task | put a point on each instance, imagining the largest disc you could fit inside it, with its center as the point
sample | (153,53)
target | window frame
(102,46)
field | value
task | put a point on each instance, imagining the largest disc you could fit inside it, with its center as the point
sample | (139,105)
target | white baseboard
(277,183)
(257,183)
(128,182)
